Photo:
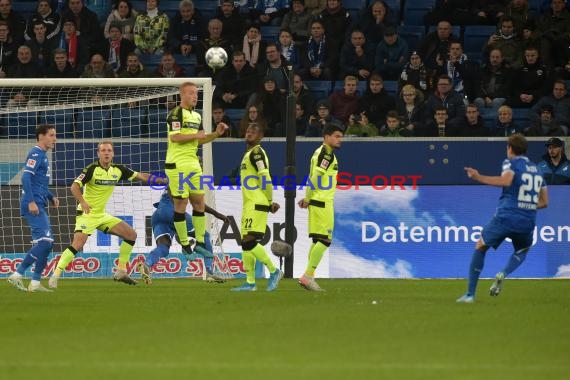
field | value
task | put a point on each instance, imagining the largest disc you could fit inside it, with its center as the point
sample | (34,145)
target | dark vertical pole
(290,193)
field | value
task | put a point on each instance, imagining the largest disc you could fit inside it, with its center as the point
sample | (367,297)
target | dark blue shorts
(495,232)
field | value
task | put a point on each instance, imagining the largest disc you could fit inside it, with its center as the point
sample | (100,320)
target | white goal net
(129,112)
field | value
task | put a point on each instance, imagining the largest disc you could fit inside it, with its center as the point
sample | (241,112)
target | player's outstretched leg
(516,259)
(475,268)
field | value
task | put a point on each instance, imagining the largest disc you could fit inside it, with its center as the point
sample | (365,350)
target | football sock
(27,262)
(181,228)
(316,253)
(125,253)
(41,250)
(249,265)
(261,255)
(66,257)
(514,262)
(199,222)
(477,262)
(156,254)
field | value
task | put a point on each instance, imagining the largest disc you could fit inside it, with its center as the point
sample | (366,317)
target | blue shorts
(495,232)
(160,227)
(40,225)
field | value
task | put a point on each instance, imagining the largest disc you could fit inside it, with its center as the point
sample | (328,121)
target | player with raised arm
(183,167)
(524,191)
(98,181)
(319,199)
(164,231)
(257,194)
(35,199)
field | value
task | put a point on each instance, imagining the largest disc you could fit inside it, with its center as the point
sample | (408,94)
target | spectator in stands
(41,47)
(360,126)
(446,97)
(275,66)
(336,21)
(301,120)
(168,68)
(470,125)
(61,68)
(373,20)
(530,82)
(546,125)
(393,128)
(435,45)
(8,49)
(416,74)
(357,57)
(151,29)
(235,83)
(345,102)
(322,56)
(315,6)
(529,37)
(519,11)
(560,104)
(489,11)
(214,38)
(411,110)
(438,124)
(495,84)
(123,16)
(98,68)
(116,48)
(554,27)
(464,73)
(134,68)
(303,95)
(253,46)
(233,24)
(86,22)
(268,12)
(505,126)
(219,116)
(187,27)
(391,55)
(458,12)
(507,42)
(76,47)
(555,166)
(297,20)
(14,20)
(322,117)
(253,115)
(288,48)
(269,99)
(45,14)
(376,102)
(24,67)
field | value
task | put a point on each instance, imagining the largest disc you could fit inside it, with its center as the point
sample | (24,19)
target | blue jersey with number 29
(517,204)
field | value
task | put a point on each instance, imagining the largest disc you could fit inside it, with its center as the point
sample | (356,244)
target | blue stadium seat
(270,33)
(415,10)
(360,86)
(234,114)
(354,4)
(170,7)
(391,87)
(63,121)
(140,5)
(92,123)
(413,34)
(126,122)
(475,37)
(22,125)
(156,122)
(321,89)
(520,117)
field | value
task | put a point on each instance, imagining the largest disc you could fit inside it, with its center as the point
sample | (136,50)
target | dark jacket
(555,175)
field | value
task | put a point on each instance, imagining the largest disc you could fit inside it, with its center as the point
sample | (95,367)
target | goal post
(129,112)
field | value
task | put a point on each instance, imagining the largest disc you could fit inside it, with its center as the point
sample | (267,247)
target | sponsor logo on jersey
(176,125)
(31,163)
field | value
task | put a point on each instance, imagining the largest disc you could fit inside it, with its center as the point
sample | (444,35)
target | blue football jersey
(517,204)
(164,213)
(37,170)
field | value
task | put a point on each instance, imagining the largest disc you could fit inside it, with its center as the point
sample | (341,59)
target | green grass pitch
(188,329)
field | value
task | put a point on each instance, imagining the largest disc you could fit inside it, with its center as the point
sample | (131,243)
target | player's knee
(130,242)
(179,217)
(248,245)
(198,213)
(164,240)
(326,243)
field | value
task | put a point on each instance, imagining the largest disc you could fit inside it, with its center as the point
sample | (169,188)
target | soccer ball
(216,57)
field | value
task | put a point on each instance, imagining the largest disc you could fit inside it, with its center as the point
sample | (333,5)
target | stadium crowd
(484,67)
